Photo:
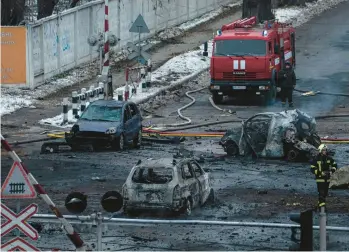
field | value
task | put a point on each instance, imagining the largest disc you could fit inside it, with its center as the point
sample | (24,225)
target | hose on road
(320,92)
(187,119)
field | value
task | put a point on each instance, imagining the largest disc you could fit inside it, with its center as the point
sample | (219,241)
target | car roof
(161,162)
(111,103)
(157,163)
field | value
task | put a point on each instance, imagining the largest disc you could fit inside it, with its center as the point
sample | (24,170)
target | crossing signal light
(305,219)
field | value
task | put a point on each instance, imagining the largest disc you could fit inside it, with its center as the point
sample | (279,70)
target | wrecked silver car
(291,134)
(167,184)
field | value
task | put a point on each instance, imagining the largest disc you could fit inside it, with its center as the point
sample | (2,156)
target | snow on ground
(16,98)
(192,62)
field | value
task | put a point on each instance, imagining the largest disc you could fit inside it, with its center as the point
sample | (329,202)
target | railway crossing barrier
(98,221)
(20,184)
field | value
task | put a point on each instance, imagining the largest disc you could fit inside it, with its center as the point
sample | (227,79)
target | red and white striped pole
(106,34)
(72,235)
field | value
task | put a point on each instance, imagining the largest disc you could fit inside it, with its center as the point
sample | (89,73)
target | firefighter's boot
(290,105)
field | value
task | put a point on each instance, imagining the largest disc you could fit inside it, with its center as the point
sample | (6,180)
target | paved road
(246,189)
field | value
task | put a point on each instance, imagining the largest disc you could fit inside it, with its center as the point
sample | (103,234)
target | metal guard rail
(91,220)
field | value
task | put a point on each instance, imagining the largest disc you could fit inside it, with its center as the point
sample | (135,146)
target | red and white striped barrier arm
(106,34)
(72,235)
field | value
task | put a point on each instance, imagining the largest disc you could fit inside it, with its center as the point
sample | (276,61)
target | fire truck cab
(247,57)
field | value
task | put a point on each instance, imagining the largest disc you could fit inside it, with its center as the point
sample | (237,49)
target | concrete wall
(59,43)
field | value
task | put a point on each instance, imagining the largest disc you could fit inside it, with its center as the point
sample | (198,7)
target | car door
(127,123)
(136,122)
(202,178)
(191,183)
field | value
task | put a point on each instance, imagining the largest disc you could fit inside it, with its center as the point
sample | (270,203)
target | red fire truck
(247,57)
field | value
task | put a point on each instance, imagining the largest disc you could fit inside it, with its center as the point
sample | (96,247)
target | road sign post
(19,221)
(17,184)
(139,26)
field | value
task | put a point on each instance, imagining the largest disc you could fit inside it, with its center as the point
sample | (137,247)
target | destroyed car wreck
(166,185)
(290,134)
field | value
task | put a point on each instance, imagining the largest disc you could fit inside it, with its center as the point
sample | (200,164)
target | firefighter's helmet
(322,147)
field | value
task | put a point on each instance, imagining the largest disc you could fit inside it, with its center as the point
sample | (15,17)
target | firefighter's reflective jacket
(322,166)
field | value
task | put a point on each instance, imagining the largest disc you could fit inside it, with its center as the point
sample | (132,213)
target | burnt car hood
(96,126)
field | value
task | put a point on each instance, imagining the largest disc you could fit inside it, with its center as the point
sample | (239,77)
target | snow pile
(16,98)
(298,15)
(179,30)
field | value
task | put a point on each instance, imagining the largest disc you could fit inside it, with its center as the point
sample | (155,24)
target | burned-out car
(291,134)
(107,123)
(167,184)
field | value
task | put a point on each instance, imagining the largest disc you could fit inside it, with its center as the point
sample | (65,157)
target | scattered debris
(340,178)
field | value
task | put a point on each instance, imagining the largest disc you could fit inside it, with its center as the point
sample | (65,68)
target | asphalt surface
(246,189)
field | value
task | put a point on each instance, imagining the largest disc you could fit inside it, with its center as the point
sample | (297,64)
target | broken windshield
(240,48)
(102,113)
(158,175)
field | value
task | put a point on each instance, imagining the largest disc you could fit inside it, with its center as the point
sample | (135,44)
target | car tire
(232,148)
(211,197)
(119,143)
(188,207)
(137,142)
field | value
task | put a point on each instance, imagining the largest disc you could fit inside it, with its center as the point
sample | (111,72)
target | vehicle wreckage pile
(291,134)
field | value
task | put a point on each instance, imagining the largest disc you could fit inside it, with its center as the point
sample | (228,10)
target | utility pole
(322,229)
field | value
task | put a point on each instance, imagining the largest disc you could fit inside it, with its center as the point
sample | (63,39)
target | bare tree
(73,3)
(12,12)
(260,8)
(46,7)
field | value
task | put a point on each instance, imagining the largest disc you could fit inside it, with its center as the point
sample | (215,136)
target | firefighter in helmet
(323,166)
(288,83)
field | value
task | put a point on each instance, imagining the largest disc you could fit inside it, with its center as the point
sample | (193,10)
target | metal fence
(100,222)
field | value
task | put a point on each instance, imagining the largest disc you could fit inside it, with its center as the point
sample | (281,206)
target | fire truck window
(240,47)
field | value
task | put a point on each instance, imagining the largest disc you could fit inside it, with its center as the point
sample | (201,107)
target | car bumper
(90,138)
(259,87)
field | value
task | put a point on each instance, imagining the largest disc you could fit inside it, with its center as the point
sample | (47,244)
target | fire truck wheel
(217,99)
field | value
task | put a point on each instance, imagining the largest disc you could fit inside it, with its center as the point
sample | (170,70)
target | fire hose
(187,119)
(320,92)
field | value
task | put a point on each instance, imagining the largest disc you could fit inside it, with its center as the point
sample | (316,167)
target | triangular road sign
(139,26)
(17,184)
(18,244)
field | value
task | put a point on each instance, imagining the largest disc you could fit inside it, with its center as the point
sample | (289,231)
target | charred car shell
(177,186)
(290,134)
(107,123)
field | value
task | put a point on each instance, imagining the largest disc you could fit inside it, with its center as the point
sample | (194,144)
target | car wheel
(188,207)
(232,149)
(119,143)
(211,197)
(292,155)
(138,141)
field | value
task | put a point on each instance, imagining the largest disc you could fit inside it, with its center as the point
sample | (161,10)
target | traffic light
(305,219)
